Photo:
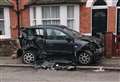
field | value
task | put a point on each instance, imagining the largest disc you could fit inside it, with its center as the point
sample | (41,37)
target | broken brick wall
(8,47)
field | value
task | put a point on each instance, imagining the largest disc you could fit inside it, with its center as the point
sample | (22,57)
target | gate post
(109,44)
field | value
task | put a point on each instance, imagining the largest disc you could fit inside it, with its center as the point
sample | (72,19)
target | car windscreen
(73,33)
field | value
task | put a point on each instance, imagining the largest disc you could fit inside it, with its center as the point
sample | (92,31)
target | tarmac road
(17,74)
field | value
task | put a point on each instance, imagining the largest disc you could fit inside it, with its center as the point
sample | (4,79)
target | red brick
(13,23)
(85,19)
(111,19)
(25,18)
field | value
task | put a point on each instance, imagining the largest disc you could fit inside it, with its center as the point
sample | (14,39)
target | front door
(99,21)
(56,42)
(118,21)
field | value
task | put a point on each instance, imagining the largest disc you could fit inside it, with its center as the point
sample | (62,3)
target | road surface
(15,74)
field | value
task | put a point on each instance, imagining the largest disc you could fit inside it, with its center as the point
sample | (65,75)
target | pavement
(106,63)
(10,62)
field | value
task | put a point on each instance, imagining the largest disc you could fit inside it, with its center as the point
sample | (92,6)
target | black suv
(51,42)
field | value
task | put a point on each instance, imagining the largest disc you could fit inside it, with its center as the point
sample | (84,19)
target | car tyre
(28,57)
(85,57)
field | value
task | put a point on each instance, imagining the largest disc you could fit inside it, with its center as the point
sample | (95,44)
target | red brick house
(86,16)
(101,15)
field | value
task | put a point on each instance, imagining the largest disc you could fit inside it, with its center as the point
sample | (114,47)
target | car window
(39,32)
(30,32)
(55,34)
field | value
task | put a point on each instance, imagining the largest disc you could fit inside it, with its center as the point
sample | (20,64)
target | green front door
(99,21)
(118,21)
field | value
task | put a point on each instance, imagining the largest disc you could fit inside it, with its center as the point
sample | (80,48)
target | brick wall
(85,19)
(13,23)
(24,17)
(112,19)
(8,47)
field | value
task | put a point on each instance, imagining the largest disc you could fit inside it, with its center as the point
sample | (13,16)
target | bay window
(51,15)
(67,15)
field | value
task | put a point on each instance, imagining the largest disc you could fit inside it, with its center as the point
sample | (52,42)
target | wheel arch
(30,48)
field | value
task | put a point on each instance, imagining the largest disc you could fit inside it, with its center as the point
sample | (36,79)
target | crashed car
(55,42)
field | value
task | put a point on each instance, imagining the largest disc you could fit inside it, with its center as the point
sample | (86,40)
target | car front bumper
(99,54)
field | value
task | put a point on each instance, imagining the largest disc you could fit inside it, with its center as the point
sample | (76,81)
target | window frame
(6,20)
(2,20)
(70,18)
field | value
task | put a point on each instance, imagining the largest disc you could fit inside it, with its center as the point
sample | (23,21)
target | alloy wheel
(28,57)
(84,58)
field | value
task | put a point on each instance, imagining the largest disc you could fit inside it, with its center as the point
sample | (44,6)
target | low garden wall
(8,47)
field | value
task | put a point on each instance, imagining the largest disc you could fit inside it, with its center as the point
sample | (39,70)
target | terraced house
(85,16)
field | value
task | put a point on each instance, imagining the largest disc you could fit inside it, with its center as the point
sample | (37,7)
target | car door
(40,38)
(56,41)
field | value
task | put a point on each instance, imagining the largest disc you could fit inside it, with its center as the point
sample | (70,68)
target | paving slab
(115,61)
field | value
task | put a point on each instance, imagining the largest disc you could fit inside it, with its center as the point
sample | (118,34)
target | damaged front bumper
(99,53)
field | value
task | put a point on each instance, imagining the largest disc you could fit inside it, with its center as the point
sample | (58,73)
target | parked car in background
(49,42)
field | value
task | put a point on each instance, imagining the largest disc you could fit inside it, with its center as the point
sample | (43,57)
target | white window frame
(6,24)
(63,15)
(51,19)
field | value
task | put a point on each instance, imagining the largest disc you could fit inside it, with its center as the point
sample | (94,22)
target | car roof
(42,26)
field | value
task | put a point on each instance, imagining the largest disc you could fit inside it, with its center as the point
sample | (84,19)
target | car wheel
(28,57)
(85,57)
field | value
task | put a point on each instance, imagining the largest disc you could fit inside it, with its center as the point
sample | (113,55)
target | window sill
(4,37)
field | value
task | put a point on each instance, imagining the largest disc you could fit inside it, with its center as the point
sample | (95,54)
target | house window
(67,15)
(4,23)
(2,30)
(34,15)
(70,16)
(50,15)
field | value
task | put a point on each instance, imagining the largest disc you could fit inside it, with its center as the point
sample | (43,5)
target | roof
(5,3)
(37,26)
(44,2)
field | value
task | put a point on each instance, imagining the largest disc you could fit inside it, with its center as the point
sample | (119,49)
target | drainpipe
(18,16)
(17,13)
